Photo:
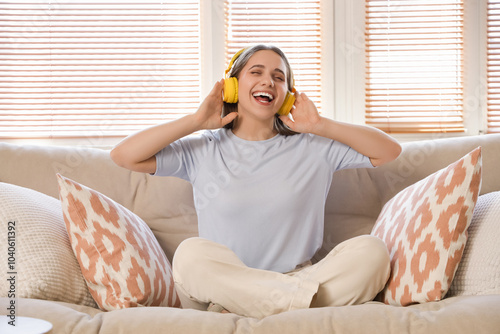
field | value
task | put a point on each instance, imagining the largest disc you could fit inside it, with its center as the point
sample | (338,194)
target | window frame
(212,21)
(475,40)
(343,66)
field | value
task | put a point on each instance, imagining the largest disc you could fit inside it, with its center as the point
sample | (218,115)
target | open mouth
(263,97)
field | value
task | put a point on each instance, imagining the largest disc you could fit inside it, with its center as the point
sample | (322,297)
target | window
(90,72)
(92,69)
(493,66)
(100,70)
(414,53)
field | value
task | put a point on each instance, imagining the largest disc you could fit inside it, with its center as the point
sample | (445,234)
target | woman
(260,182)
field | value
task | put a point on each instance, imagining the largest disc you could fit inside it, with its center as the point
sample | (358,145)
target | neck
(252,129)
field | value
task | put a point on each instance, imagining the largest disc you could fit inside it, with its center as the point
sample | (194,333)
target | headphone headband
(236,55)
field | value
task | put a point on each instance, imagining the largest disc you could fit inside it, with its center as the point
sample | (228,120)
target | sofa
(354,204)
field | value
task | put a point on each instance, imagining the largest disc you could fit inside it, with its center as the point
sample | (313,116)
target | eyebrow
(262,66)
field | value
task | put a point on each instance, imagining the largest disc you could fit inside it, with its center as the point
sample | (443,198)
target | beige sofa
(354,202)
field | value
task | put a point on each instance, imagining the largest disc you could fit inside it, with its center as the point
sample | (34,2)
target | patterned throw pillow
(425,229)
(121,261)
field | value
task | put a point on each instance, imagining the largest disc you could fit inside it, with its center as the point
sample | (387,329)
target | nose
(267,80)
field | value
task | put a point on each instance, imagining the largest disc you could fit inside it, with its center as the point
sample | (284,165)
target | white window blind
(71,69)
(414,65)
(493,65)
(292,25)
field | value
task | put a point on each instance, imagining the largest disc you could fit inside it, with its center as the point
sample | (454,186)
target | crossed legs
(352,273)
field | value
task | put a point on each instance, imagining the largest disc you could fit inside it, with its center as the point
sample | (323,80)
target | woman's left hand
(304,113)
(367,140)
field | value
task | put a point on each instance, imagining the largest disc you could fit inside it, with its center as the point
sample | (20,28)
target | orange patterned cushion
(121,261)
(425,229)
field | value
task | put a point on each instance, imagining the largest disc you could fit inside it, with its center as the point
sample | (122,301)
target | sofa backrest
(357,196)
(166,204)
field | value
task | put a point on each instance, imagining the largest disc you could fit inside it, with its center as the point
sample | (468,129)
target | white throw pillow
(479,270)
(42,261)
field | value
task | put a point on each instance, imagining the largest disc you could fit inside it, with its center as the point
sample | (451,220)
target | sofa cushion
(39,253)
(479,270)
(425,229)
(123,264)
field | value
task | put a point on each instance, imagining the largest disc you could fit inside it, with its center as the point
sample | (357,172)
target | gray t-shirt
(265,199)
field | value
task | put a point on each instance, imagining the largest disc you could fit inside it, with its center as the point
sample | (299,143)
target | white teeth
(264,94)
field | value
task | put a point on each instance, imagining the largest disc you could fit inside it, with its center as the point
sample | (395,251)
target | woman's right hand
(137,151)
(209,113)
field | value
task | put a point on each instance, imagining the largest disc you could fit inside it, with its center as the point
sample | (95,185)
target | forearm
(369,141)
(135,149)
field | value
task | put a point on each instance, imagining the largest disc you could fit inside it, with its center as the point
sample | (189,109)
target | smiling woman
(267,217)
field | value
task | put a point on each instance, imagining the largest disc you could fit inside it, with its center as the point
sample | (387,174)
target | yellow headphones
(231,89)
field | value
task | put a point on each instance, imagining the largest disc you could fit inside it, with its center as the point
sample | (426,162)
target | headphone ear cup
(287,105)
(231,90)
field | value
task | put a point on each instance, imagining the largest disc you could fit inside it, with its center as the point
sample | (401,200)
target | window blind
(292,25)
(71,69)
(493,66)
(414,65)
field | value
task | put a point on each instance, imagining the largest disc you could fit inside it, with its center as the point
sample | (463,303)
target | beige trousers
(352,273)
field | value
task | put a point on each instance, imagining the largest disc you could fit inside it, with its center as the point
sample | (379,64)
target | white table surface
(24,325)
